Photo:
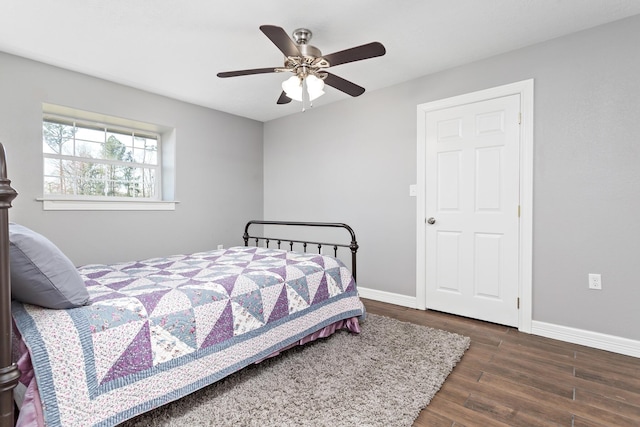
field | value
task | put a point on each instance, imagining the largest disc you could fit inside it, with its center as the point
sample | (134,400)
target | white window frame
(164,184)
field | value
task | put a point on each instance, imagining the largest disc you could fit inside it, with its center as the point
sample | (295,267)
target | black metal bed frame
(353,246)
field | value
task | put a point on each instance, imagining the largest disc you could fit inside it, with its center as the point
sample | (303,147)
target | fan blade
(343,85)
(284,99)
(358,53)
(247,72)
(280,38)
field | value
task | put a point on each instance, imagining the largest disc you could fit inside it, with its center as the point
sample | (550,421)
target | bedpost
(9,373)
(354,249)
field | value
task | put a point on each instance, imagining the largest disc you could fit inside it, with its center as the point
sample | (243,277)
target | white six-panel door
(471,206)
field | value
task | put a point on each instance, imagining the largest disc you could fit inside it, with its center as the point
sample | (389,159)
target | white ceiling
(176,47)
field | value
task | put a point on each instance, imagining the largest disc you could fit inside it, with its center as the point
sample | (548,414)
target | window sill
(106,205)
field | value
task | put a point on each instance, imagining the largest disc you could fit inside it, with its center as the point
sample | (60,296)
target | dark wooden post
(9,373)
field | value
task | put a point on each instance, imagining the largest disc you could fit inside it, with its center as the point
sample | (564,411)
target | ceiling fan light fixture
(309,66)
(293,87)
(315,86)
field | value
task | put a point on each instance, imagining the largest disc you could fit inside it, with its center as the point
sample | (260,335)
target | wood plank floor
(508,378)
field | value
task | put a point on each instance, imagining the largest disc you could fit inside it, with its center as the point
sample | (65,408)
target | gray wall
(354,161)
(218,165)
(357,158)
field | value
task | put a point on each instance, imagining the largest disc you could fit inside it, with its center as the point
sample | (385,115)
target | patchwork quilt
(159,329)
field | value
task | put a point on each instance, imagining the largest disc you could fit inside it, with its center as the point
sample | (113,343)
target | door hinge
(518,303)
(519,118)
(518,211)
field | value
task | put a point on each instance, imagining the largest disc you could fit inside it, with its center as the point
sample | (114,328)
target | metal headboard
(353,245)
(9,373)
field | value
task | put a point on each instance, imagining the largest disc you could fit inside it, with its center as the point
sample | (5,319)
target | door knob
(431,220)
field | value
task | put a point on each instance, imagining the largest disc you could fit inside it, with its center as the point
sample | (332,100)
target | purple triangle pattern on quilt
(137,357)
(171,307)
(281,308)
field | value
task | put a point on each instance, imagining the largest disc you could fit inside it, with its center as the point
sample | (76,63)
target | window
(81,159)
(102,165)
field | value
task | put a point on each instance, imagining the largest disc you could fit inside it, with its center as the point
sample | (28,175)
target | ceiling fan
(309,66)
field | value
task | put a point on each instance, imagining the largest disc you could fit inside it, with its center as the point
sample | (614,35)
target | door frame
(525,239)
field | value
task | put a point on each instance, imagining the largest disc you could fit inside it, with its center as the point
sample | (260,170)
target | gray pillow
(41,274)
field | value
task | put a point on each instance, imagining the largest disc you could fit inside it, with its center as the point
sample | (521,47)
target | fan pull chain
(305,95)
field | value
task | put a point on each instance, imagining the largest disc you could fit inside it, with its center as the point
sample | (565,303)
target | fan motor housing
(308,50)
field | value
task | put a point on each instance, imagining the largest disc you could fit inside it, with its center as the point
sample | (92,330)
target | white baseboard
(388,297)
(592,339)
(606,342)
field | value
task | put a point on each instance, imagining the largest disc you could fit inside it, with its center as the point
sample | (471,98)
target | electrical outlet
(595,281)
(220,246)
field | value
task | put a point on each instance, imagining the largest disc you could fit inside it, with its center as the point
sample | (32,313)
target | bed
(141,334)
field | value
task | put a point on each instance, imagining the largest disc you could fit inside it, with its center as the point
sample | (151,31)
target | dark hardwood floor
(508,378)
